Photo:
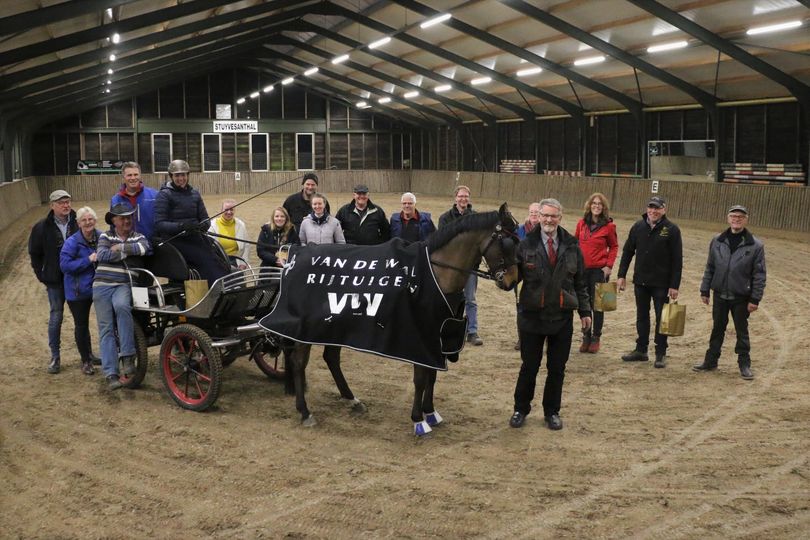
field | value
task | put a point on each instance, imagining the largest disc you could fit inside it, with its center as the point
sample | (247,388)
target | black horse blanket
(380,299)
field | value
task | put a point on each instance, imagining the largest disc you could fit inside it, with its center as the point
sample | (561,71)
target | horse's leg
(421,376)
(432,417)
(331,356)
(299,359)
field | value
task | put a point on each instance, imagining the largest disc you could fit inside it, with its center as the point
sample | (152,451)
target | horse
(454,252)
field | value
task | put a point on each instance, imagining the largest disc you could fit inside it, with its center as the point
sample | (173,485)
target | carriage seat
(167,262)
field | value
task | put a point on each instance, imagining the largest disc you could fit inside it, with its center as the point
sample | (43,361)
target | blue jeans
(659,297)
(470,306)
(56,298)
(114,307)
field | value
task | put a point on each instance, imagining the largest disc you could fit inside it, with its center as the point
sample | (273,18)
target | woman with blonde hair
(277,232)
(597,238)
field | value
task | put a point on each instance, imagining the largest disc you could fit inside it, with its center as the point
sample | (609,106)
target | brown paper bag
(673,319)
(196,289)
(604,297)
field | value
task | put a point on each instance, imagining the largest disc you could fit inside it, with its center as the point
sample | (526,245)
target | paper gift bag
(673,319)
(604,297)
(196,289)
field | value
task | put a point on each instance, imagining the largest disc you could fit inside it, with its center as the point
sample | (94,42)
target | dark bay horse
(455,252)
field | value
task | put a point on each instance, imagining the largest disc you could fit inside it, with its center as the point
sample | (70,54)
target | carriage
(199,334)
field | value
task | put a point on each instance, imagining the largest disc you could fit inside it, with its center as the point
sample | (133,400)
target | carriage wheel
(268,357)
(191,367)
(272,366)
(141,361)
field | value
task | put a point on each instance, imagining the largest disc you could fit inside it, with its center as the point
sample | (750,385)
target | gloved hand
(191,226)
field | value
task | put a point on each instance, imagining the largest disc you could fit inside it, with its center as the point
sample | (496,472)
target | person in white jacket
(228,225)
(319,227)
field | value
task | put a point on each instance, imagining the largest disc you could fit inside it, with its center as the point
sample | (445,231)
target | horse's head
(500,250)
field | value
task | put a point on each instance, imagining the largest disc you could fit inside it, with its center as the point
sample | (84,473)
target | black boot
(745,368)
(708,364)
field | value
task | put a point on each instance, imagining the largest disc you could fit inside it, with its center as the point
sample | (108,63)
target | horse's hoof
(357,407)
(309,421)
(420,429)
(433,419)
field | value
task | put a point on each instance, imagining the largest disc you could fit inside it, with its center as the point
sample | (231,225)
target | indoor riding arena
(703,103)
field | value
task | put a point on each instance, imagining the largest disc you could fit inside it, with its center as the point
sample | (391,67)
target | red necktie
(552,255)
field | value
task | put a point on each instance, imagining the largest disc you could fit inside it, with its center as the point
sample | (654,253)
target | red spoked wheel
(191,367)
(268,357)
(141,361)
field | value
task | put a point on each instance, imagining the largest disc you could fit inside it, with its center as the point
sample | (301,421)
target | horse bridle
(499,272)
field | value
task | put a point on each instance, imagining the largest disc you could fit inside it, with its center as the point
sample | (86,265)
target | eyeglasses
(62,202)
(550,216)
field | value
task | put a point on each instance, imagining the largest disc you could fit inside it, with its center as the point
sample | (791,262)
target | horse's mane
(470,222)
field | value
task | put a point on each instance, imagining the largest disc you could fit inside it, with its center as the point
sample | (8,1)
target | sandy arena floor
(645,453)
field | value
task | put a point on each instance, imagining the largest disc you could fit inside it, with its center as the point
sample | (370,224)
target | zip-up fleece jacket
(368,230)
(600,247)
(741,273)
(552,293)
(44,246)
(658,251)
(144,204)
(323,230)
(79,270)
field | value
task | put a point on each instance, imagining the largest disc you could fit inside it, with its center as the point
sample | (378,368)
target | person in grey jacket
(319,227)
(735,271)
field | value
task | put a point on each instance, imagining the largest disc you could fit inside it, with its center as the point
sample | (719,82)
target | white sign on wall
(654,186)
(236,126)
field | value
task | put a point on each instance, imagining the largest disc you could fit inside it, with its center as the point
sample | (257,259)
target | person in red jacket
(596,233)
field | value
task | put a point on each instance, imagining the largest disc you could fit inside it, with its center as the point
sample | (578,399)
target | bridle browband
(497,274)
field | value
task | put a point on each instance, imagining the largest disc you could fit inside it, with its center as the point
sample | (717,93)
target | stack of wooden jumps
(764,173)
(520,166)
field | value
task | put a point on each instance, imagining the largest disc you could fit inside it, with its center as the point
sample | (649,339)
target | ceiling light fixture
(773,28)
(529,71)
(109,81)
(107,91)
(116,38)
(442,88)
(240,101)
(311,71)
(379,42)
(112,58)
(362,104)
(340,59)
(254,95)
(110,71)
(268,89)
(435,20)
(409,95)
(481,80)
(667,46)
(383,101)
(287,81)
(589,60)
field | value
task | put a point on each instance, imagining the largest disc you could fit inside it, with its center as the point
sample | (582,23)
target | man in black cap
(44,246)
(656,243)
(363,222)
(298,204)
(735,271)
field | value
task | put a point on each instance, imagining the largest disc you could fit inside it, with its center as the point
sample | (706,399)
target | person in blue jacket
(77,261)
(139,197)
(411,224)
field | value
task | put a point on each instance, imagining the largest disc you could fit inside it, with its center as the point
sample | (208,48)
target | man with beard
(364,223)
(299,205)
(554,285)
